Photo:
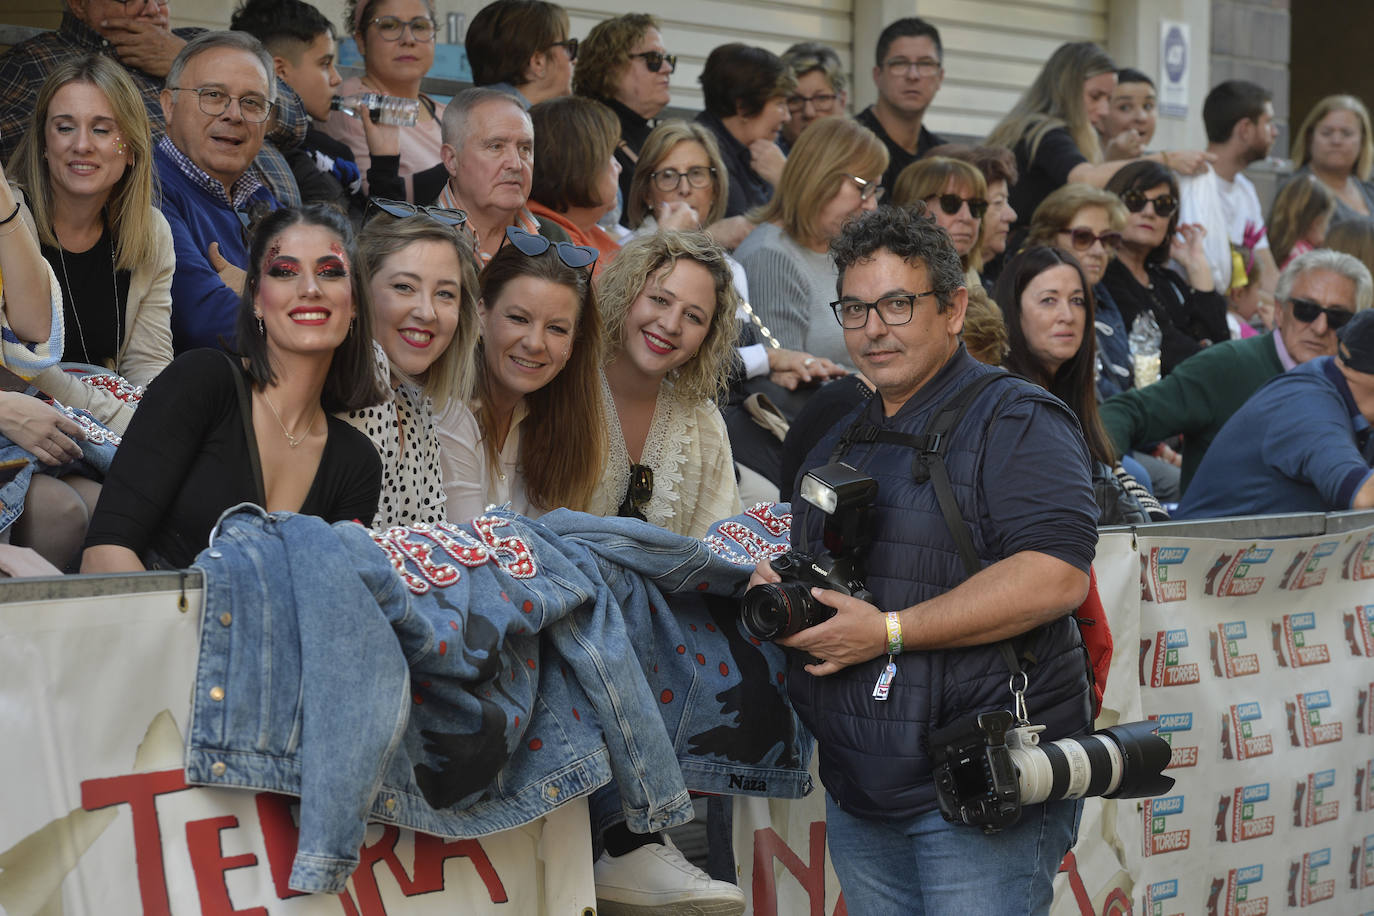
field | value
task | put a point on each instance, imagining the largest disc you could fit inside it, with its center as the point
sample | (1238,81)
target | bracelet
(13,214)
(894,633)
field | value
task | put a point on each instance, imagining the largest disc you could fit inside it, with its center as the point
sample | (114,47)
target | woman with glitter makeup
(86,165)
(215,430)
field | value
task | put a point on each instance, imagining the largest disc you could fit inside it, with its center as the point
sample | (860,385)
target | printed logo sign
(1359,560)
(1168,668)
(1305,725)
(1248,820)
(1310,805)
(1240,892)
(1161,898)
(1364,786)
(1306,883)
(1294,643)
(1364,709)
(1159,838)
(1227,644)
(1241,737)
(1305,571)
(1362,864)
(1359,631)
(1234,574)
(1173,727)
(1159,579)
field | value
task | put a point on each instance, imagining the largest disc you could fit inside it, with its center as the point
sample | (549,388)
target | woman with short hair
(745,92)
(576,174)
(1129,126)
(522,47)
(820,90)
(1335,145)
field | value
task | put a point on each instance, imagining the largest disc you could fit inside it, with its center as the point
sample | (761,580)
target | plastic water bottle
(1145,339)
(385,109)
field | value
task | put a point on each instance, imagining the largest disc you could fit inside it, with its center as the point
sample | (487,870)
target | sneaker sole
(679,908)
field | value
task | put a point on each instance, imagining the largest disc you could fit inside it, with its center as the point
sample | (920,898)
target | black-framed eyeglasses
(698,176)
(1083,238)
(1306,311)
(640,490)
(895,311)
(655,60)
(867,188)
(952,203)
(574,256)
(253,108)
(570,44)
(422,28)
(821,101)
(448,216)
(900,66)
(1135,201)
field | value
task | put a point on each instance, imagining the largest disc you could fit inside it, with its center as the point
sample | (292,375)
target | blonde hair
(660,143)
(450,377)
(815,169)
(1300,204)
(1302,141)
(130,204)
(1058,210)
(928,177)
(1055,100)
(704,376)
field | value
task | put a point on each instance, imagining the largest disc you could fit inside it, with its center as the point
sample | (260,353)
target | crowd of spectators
(543,292)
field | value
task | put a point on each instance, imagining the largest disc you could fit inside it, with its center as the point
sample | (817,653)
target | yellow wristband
(894,633)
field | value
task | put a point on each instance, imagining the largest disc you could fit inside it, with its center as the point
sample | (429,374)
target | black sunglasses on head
(575,256)
(951,204)
(1135,201)
(1306,311)
(640,490)
(400,209)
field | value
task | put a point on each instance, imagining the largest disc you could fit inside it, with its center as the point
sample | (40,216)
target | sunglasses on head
(574,256)
(1135,201)
(1306,311)
(952,203)
(640,490)
(400,209)
(654,60)
(1083,238)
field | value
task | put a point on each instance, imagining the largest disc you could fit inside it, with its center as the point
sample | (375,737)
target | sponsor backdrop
(1256,658)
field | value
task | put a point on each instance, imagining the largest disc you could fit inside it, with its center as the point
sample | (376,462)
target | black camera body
(985,770)
(774,610)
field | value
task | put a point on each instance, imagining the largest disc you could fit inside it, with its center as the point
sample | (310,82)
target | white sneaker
(655,880)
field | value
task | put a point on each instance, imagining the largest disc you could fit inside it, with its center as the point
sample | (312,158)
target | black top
(1056,156)
(95,299)
(897,156)
(747,188)
(1186,317)
(634,130)
(831,402)
(185,459)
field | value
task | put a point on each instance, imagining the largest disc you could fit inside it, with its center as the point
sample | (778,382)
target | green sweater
(1194,400)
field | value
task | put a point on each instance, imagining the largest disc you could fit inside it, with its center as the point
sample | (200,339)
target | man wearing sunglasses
(1303,443)
(1019,469)
(908,68)
(1318,293)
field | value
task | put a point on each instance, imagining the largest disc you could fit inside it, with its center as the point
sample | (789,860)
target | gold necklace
(291,441)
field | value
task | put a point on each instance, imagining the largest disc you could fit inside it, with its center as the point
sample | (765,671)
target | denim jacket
(97,451)
(464,679)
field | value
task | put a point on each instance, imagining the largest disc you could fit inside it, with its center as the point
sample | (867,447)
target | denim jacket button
(217,694)
(390,804)
(551,792)
(218,768)
(215,554)
(225,619)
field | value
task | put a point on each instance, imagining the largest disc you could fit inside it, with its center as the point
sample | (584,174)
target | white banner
(96,819)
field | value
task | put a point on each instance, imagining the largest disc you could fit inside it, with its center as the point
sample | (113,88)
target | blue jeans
(926,866)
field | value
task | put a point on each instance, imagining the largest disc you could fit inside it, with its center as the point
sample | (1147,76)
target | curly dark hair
(909,234)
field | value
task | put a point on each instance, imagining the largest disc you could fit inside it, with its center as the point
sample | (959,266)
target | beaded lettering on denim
(416,552)
(116,386)
(95,432)
(752,546)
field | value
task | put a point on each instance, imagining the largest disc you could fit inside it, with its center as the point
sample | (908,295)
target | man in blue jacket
(218,99)
(1019,471)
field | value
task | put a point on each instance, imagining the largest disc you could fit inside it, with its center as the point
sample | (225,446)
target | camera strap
(929,465)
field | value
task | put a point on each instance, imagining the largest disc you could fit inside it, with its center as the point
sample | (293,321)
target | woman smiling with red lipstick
(669,304)
(215,430)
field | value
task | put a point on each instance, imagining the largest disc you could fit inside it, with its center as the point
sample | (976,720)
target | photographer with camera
(934,645)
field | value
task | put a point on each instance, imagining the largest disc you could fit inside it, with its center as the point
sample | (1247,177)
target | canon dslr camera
(985,770)
(775,610)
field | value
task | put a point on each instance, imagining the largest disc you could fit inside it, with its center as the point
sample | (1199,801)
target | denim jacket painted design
(464,679)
